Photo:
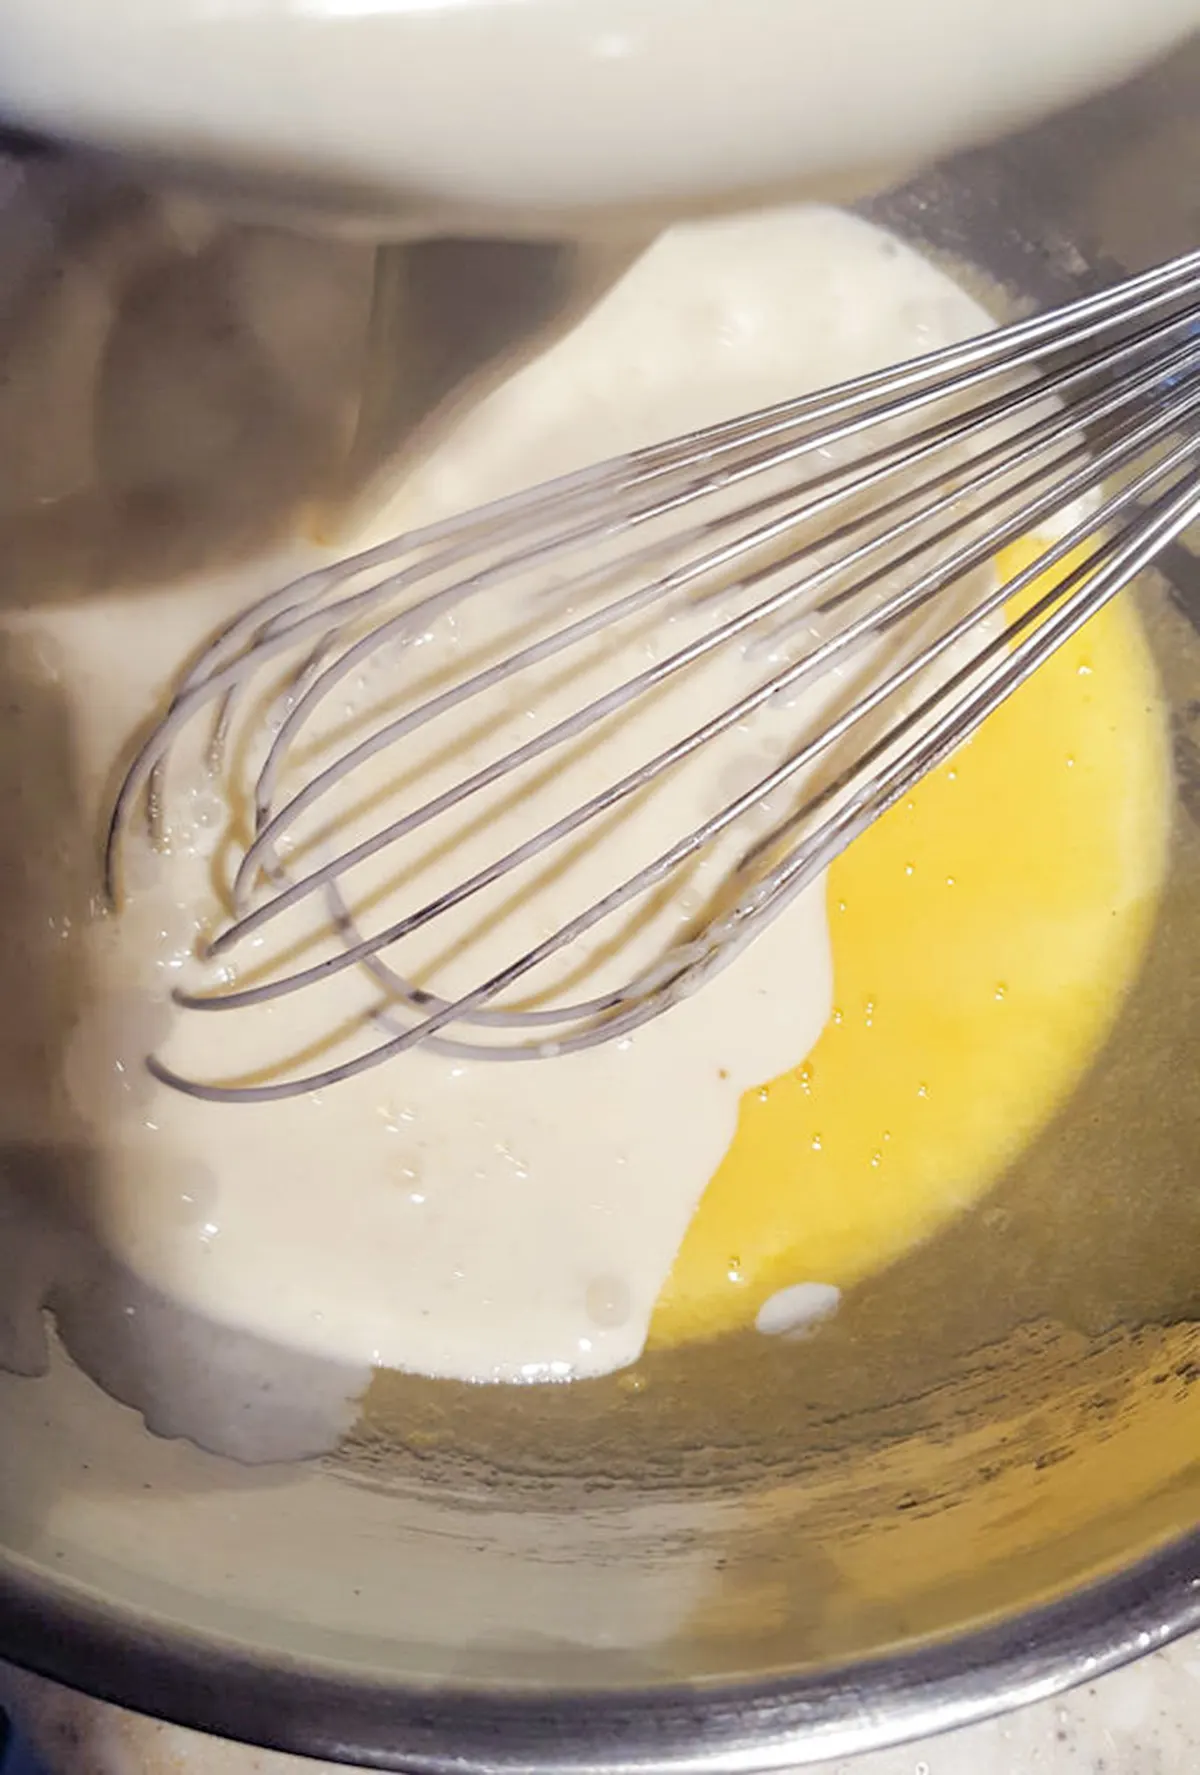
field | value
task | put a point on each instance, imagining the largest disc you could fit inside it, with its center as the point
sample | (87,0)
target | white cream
(493,115)
(795,1311)
(490,1222)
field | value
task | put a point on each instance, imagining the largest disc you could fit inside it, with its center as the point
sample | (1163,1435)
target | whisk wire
(855,632)
(958,454)
(830,734)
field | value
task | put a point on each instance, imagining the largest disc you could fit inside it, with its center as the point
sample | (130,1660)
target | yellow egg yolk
(984,933)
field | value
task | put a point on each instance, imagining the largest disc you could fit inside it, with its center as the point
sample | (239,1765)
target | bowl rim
(724,1727)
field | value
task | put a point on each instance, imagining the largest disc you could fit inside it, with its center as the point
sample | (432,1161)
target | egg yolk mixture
(984,933)
(860,1074)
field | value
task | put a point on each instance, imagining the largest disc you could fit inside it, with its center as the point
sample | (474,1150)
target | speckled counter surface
(1144,1720)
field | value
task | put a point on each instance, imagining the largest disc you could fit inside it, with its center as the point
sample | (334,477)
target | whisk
(870,506)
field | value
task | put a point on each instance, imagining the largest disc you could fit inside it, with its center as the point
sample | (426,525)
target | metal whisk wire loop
(845,531)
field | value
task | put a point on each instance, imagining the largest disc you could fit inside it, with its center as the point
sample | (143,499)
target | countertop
(1144,1720)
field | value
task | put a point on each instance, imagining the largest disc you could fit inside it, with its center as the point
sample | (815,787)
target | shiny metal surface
(982,1485)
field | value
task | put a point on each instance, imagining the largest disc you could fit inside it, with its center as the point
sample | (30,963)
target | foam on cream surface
(498,1222)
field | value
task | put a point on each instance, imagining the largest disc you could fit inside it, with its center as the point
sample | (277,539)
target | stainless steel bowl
(982,1485)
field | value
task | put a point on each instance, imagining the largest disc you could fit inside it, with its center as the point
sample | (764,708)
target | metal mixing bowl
(981,1484)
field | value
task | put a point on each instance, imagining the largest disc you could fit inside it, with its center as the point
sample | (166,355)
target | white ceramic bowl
(551,115)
